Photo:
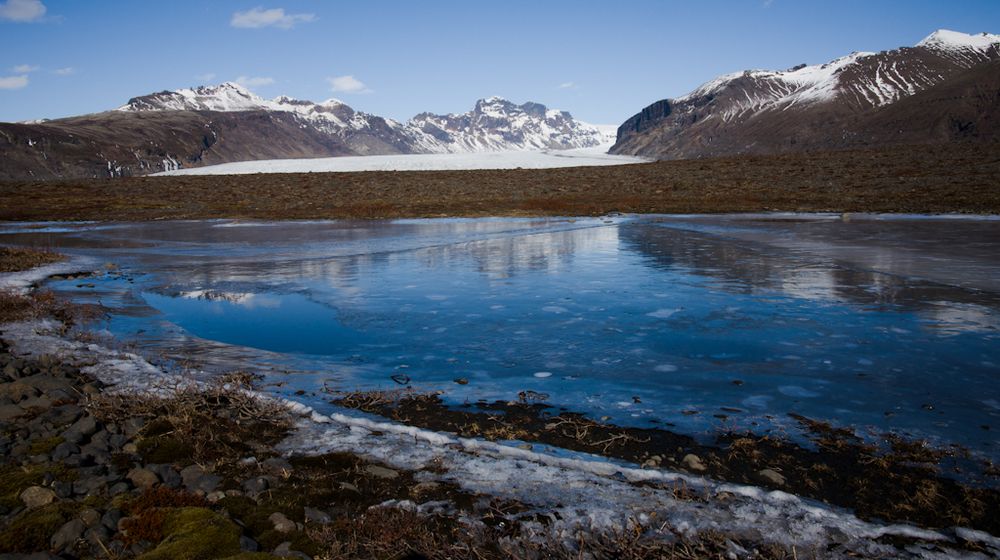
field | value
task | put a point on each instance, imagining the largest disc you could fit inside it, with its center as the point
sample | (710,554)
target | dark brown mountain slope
(942,90)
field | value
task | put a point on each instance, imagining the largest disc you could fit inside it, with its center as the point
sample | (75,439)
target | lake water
(696,323)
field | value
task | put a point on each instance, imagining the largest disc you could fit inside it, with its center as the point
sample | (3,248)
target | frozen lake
(695,323)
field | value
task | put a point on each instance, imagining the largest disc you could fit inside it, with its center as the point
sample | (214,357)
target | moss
(14,480)
(253,556)
(45,446)
(196,533)
(31,531)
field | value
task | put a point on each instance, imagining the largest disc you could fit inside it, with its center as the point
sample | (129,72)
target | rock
(285,551)
(9,412)
(196,479)
(167,474)
(96,454)
(256,485)
(248,545)
(67,535)
(277,466)
(97,536)
(111,518)
(143,478)
(693,463)
(130,448)
(653,462)
(90,486)
(36,497)
(133,425)
(62,489)
(18,391)
(64,450)
(36,403)
(316,516)
(87,426)
(281,523)
(118,488)
(90,517)
(349,486)
(381,472)
(772,476)
(214,497)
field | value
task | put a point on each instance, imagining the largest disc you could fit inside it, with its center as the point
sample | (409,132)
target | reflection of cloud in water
(951,318)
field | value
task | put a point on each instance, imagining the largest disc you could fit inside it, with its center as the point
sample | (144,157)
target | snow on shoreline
(22,282)
(577,491)
(528,159)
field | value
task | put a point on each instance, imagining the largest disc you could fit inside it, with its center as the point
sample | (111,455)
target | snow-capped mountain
(226,123)
(495,124)
(846,102)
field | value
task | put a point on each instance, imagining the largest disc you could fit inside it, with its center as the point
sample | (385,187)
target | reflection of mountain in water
(740,266)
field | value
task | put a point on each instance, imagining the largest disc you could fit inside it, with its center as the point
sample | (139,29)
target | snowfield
(535,159)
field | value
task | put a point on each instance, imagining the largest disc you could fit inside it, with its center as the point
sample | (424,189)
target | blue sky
(602,60)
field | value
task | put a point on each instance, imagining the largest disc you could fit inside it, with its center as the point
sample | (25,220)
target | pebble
(772,476)
(316,516)
(36,497)
(693,463)
(143,478)
(67,535)
(277,466)
(281,523)
(381,472)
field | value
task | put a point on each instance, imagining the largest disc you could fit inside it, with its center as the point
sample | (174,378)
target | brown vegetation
(946,178)
(901,481)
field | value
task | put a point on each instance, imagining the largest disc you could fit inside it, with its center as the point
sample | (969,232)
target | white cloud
(767,3)
(22,10)
(13,82)
(206,77)
(25,68)
(252,82)
(347,84)
(68,71)
(567,85)
(275,17)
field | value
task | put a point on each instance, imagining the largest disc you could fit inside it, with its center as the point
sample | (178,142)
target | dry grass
(205,423)
(388,533)
(951,178)
(16,259)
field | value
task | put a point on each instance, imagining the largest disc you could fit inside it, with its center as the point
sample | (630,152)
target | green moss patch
(45,446)
(31,531)
(14,480)
(194,534)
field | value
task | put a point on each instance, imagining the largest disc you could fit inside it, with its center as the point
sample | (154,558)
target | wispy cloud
(22,10)
(347,84)
(25,68)
(206,77)
(13,82)
(67,71)
(567,85)
(274,17)
(767,3)
(252,82)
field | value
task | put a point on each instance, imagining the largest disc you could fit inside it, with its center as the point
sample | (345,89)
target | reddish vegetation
(948,178)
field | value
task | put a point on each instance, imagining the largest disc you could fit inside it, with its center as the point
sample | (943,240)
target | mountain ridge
(225,123)
(824,106)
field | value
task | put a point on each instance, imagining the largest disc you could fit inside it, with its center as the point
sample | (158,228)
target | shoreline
(272,475)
